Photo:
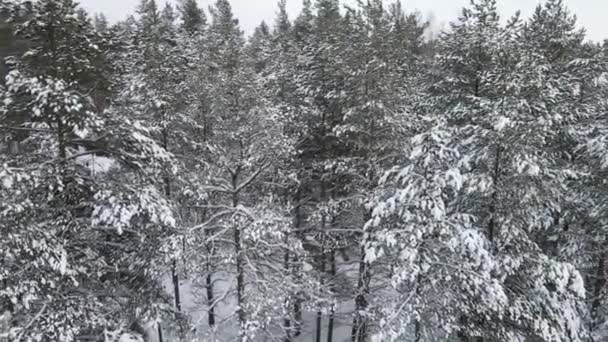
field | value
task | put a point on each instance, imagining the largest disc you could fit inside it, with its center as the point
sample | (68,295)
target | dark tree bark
(332,313)
(297,307)
(206,132)
(240,277)
(211,312)
(319,313)
(174,275)
(600,282)
(495,179)
(160,333)
(359,329)
(287,320)
(298,317)
(319,326)
(417,332)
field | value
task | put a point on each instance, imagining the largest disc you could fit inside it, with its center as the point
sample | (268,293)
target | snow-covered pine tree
(408,38)
(100,22)
(193,18)
(72,225)
(249,224)
(371,129)
(153,64)
(280,83)
(511,178)
(247,168)
(578,69)
(303,23)
(258,48)
(319,42)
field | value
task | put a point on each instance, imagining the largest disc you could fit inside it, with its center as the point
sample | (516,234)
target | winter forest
(341,175)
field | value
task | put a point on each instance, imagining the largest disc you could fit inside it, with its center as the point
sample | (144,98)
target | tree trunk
(319,327)
(418,324)
(160,332)
(359,329)
(211,311)
(319,313)
(355,328)
(287,320)
(178,306)
(240,277)
(495,178)
(206,131)
(322,254)
(209,278)
(600,283)
(287,327)
(418,331)
(174,275)
(297,307)
(332,313)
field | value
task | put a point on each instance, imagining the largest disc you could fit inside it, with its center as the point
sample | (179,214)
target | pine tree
(74,224)
(59,35)
(576,69)
(408,38)
(371,129)
(101,23)
(258,48)
(319,83)
(193,17)
(303,24)
(281,87)
(513,177)
(151,89)
(346,172)
(244,137)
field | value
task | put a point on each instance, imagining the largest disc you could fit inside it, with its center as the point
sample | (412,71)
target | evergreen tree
(246,149)
(303,24)
(320,82)
(62,43)
(259,48)
(577,69)
(371,128)
(193,17)
(346,175)
(74,222)
(101,23)
(151,89)
(513,176)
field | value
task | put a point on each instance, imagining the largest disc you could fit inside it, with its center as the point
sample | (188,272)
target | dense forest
(338,176)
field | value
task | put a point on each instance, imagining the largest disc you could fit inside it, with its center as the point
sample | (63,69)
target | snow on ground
(194,304)
(97,164)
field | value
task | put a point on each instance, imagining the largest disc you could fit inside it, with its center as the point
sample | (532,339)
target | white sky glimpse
(591,13)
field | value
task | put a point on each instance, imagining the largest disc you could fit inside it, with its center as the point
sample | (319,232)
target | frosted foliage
(50,98)
(346,175)
(127,209)
(419,226)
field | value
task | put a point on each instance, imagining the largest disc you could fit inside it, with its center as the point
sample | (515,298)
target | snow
(502,123)
(6,180)
(487,204)
(130,338)
(193,303)
(97,164)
